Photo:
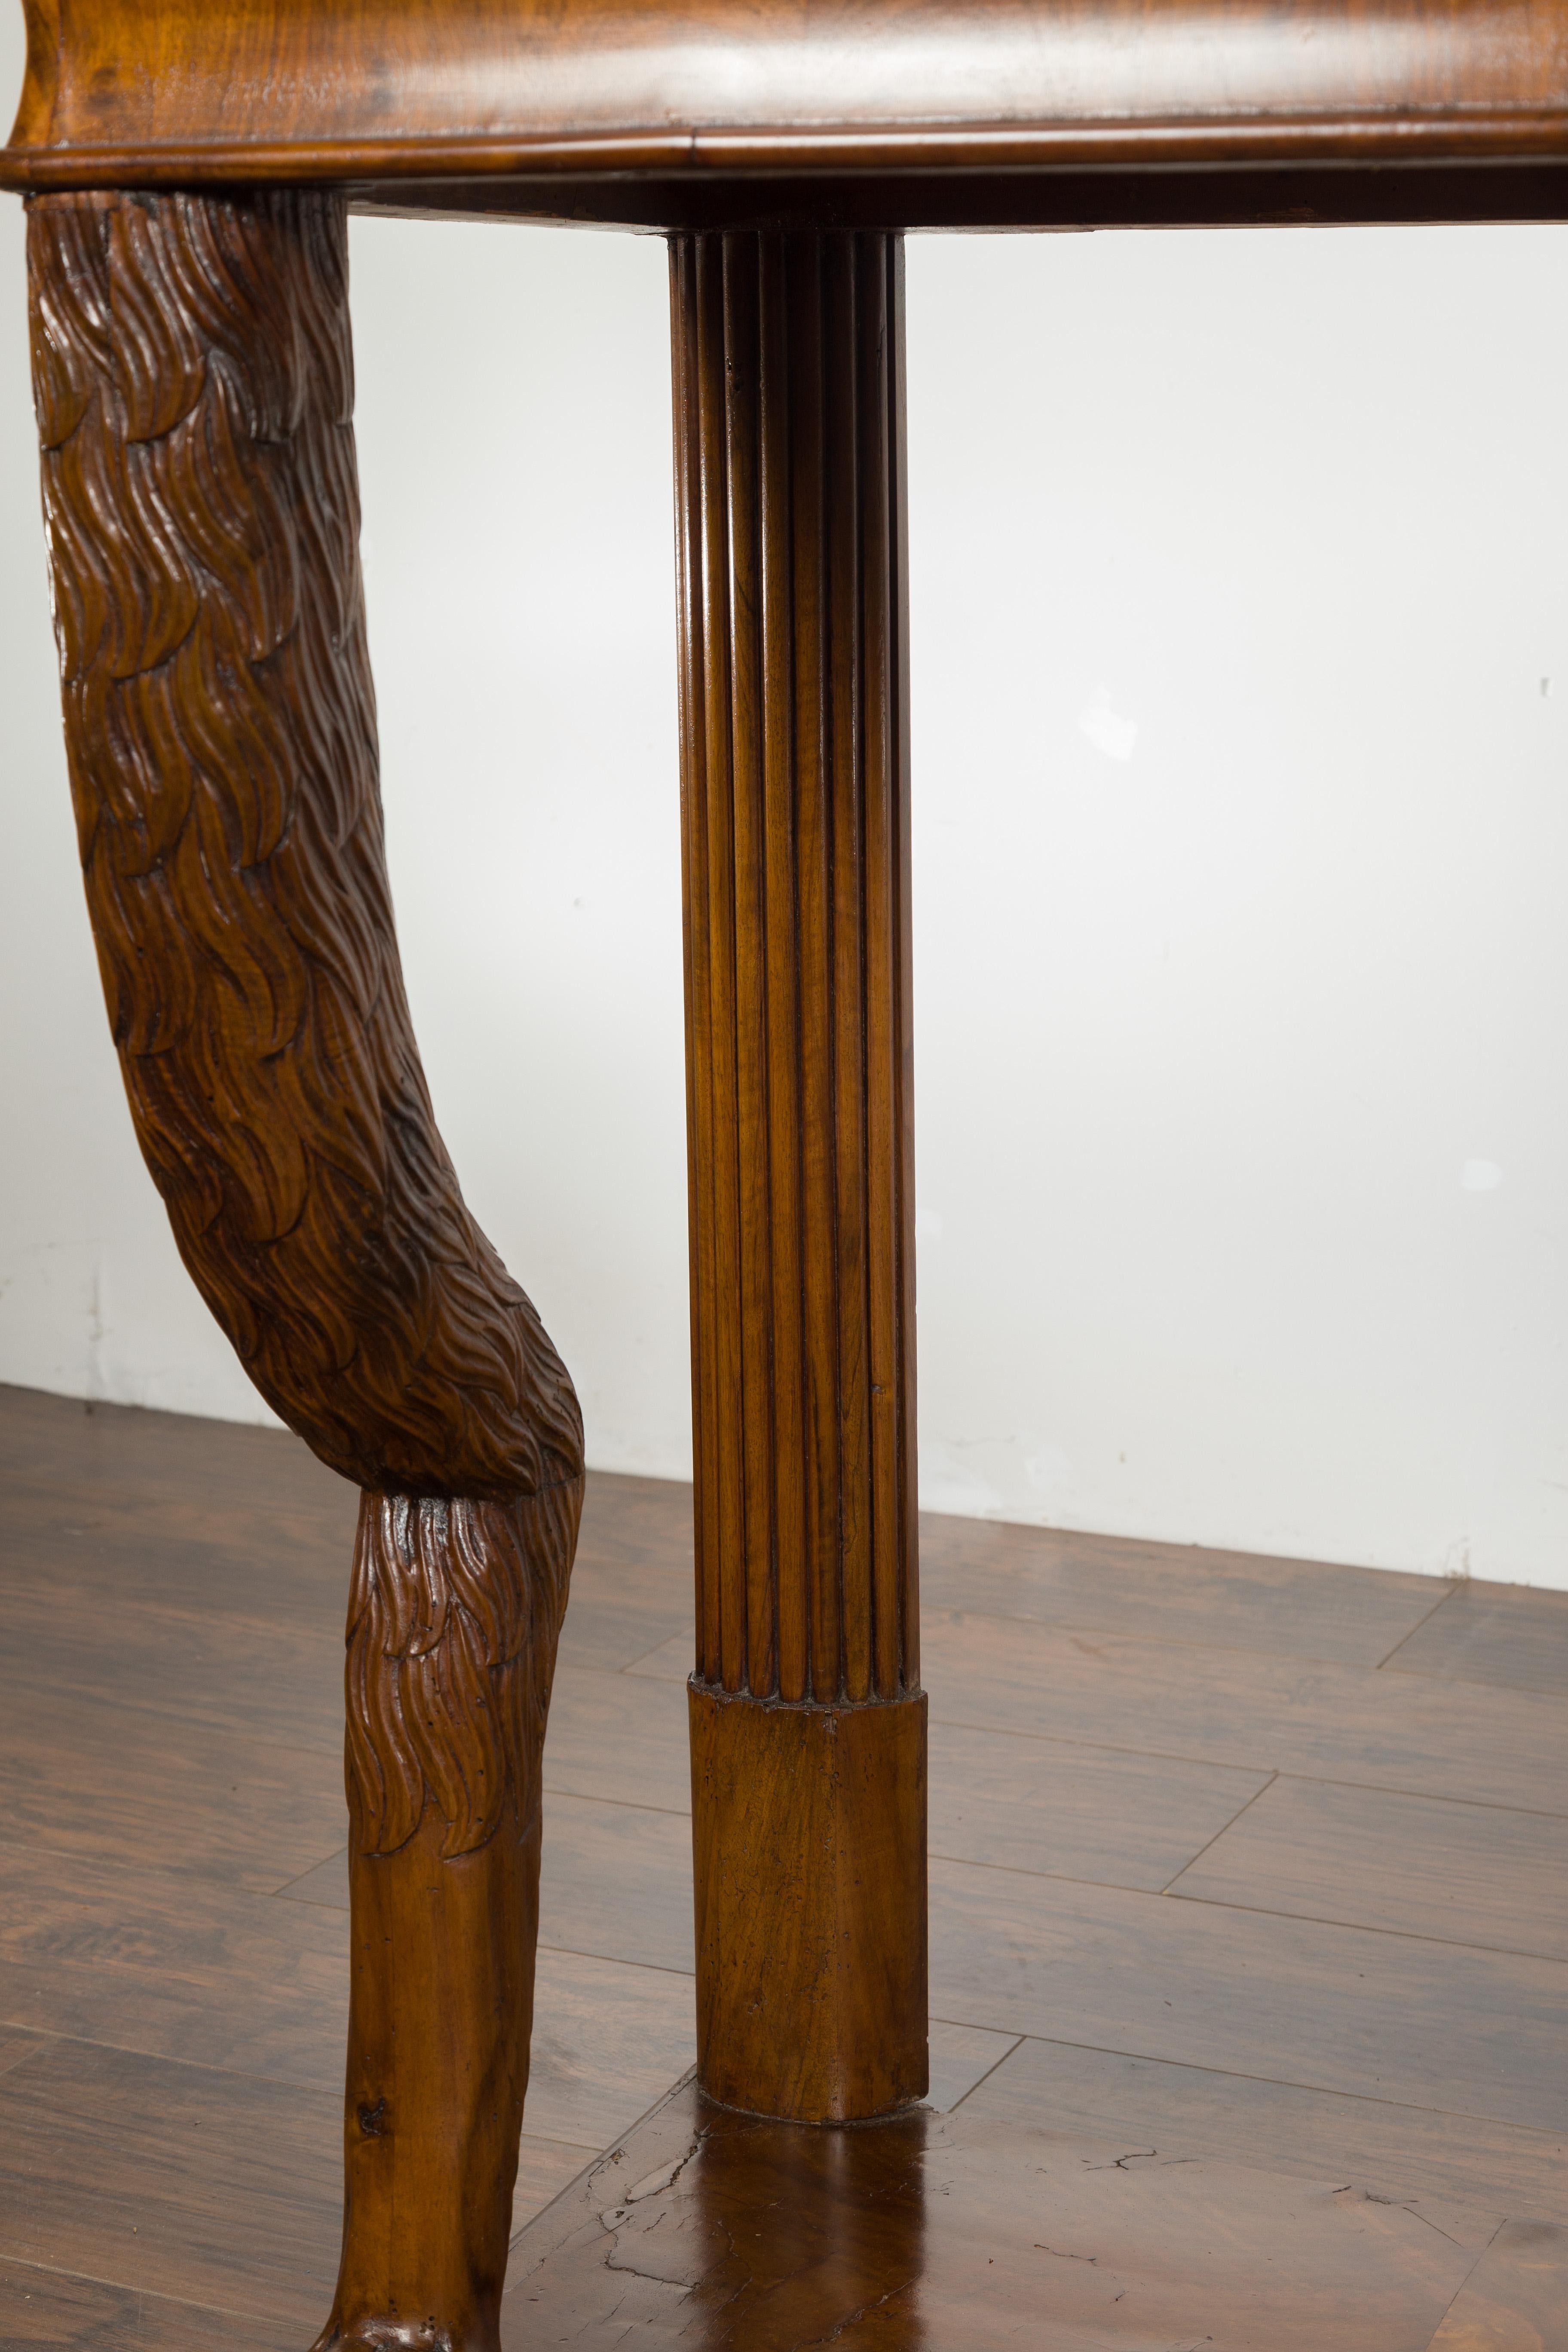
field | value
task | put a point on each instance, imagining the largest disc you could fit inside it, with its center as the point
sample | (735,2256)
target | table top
(906,111)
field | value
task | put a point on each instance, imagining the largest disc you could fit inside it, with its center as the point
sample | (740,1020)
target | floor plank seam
(576,1952)
(1249,1910)
(1358,1928)
(319,2088)
(1558,2141)
(597,2156)
(641,1660)
(1162,1640)
(311,1868)
(1016,2044)
(141,1940)
(1451,1681)
(1465,2282)
(1193,1859)
(280,1744)
(1441,1601)
(622,1804)
(1425,1796)
(1230,1764)
(125,2286)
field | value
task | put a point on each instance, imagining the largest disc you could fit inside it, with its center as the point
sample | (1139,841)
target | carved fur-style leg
(452,1627)
(194,383)
(808,1717)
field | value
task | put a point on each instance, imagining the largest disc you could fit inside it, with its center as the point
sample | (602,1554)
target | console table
(190,165)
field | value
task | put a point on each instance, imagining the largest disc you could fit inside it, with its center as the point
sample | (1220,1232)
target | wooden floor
(1249,1922)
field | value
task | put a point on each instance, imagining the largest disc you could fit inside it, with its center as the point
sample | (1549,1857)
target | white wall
(1239,563)
(1214,1015)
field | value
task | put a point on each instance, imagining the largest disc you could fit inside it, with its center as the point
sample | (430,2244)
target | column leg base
(809,1831)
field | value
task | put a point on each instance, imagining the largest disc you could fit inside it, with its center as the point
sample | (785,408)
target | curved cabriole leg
(193,382)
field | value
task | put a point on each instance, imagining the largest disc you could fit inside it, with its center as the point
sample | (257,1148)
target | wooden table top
(905,111)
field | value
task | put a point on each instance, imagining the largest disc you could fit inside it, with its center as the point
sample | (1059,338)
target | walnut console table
(189,165)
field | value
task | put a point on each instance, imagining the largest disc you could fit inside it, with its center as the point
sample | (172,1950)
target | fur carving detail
(454,1615)
(192,376)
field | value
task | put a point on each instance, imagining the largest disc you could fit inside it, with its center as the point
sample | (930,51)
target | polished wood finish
(711,2230)
(1499,1634)
(1219,194)
(1377,1858)
(1516,2298)
(194,381)
(810,1880)
(789,429)
(1250,1709)
(1405,2154)
(190,168)
(1184,1593)
(193,384)
(451,1650)
(1255,1711)
(1330,2007)
(171,2037)
(122,92)
(1017,1802)
(68,2313)
(789,432)
(437,2068)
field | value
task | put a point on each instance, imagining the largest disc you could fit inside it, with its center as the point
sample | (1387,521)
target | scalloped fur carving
(193,382)
(453,1620)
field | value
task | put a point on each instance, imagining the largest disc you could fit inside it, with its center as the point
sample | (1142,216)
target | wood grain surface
(1403,189)
(1516,2298)
(1501,1633)
(713,2230)
(1075,1811)
(109,2148)
(1412,1865)
(193,393)
(192,381)
(1399,2152)
(44,2310)
(808,1729)
(1174,1592)
(119,89)
(811,1999)
(789,450)
(1387,2056)
(615,1881)
(1256,1712)
(617,1739)
(1336,2008)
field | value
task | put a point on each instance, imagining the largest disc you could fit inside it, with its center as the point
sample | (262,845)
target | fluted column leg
(807,1720)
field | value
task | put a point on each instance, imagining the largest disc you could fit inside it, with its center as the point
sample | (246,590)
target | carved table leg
(808,1720)
(448,1683)
(192,376)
